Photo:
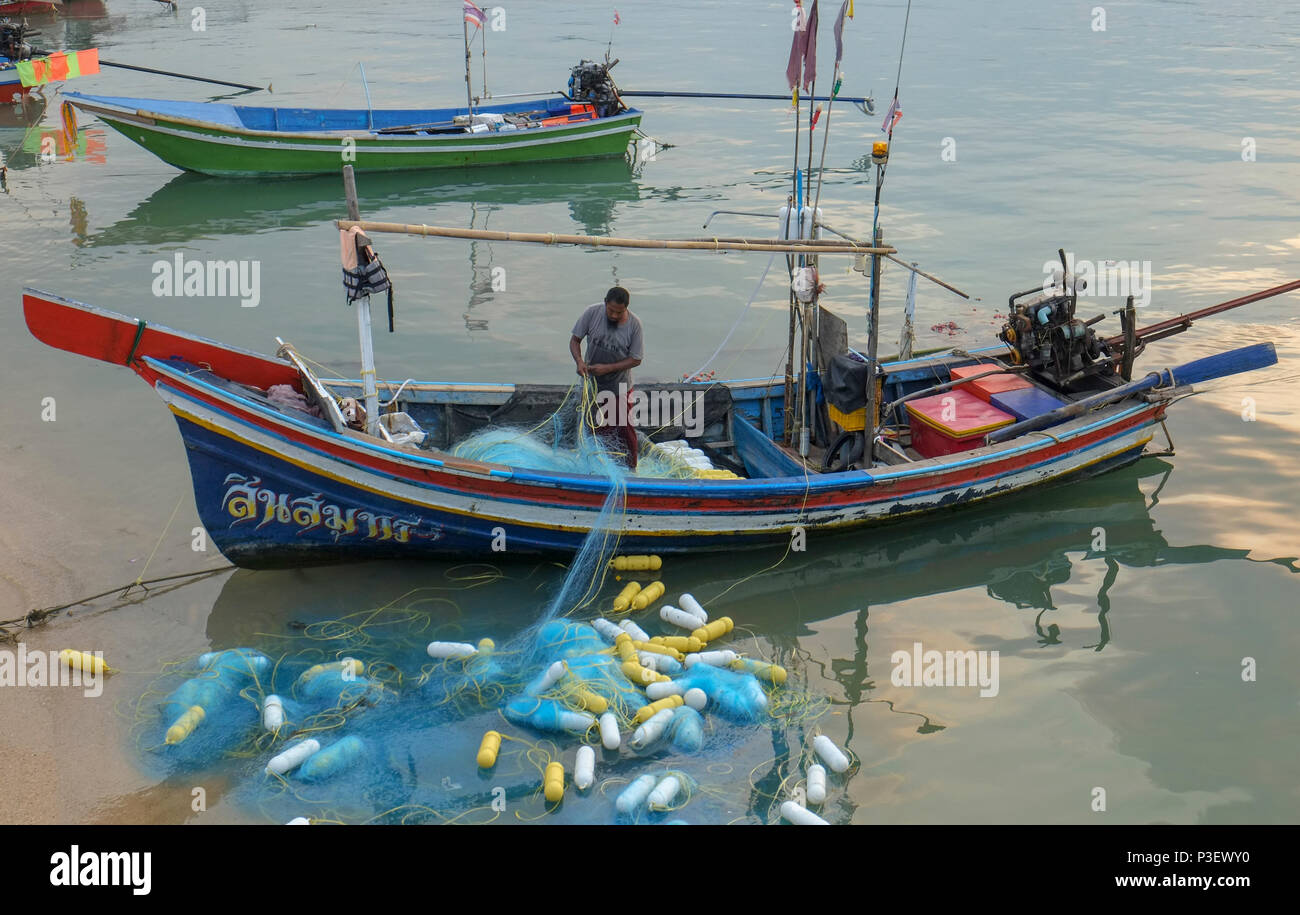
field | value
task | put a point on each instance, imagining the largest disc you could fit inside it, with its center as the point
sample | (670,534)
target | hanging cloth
(363,271)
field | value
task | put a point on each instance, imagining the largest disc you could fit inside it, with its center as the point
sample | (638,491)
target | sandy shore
(65,755)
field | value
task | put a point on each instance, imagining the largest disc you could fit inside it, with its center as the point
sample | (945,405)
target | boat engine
(1044,334)
(590,83)
(13,40)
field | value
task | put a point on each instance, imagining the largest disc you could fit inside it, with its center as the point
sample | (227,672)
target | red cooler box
(952,421)
(985,388)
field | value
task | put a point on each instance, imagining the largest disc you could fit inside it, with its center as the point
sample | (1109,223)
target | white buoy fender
(584,768)
(635,631)
(824,747)
(609,735)
(692,606)
(634,795)
(717,658)
(680,618)
(801,816)
(293,757)
(696,698)
(660,690)
(816,784)
(447,650)
(652,730)
(608,631)
(663,793)
(273,713)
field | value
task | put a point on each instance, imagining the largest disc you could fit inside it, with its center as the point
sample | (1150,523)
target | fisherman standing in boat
(614,348)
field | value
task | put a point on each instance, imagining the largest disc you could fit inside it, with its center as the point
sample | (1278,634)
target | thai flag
(892,117)
(474,14)
(616,19)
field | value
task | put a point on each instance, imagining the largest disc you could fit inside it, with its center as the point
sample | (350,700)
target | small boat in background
(29,7)
(247,141)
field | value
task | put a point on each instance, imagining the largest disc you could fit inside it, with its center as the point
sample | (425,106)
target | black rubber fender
(856,442)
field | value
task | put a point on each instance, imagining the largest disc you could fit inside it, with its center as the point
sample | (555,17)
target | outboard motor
(590,83)
(13,40)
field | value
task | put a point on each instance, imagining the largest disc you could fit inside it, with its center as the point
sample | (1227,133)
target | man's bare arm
(606,368)
(575,350)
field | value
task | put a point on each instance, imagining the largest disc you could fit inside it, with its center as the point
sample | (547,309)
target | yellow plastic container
(849,422)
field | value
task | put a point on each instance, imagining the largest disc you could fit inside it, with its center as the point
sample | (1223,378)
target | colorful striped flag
(474,14)
(616,19)
(56,67)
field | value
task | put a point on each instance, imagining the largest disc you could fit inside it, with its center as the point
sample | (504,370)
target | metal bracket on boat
(1169,441)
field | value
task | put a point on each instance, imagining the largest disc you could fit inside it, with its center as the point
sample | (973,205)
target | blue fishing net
(352,720)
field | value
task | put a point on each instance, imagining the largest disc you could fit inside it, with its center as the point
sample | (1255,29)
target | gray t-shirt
(610,343)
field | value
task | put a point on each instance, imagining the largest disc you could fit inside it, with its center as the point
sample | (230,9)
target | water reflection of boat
(191,206)
(22,115)
(1017,550)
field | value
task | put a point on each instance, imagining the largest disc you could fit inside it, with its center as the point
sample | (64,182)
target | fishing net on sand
(407,714)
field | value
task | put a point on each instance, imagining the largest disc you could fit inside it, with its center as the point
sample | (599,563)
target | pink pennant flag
(892,117)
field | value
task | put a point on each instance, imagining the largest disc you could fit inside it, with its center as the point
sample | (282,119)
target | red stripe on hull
(865,493)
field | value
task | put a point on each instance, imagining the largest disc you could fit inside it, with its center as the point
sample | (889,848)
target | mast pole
(369,383)
(469,92)
(873,341)
(483,59)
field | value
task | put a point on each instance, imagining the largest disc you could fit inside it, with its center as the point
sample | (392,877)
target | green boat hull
(211,150)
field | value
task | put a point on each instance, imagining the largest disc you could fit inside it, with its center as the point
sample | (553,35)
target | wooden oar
(1233,362)
(666,93)
(1182,322)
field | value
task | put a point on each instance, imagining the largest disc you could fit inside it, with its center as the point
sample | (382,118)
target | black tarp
(846,384)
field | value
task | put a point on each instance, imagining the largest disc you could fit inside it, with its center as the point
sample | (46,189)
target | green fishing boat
(588,122)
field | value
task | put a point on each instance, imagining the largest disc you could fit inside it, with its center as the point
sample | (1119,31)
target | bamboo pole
(369,381)
(873,341)
(606,241)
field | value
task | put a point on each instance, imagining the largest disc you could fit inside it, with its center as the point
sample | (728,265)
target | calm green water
(1120,668)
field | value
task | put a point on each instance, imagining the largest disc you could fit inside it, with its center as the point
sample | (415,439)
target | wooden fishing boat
(275,485)
(245,141)
(29,7)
